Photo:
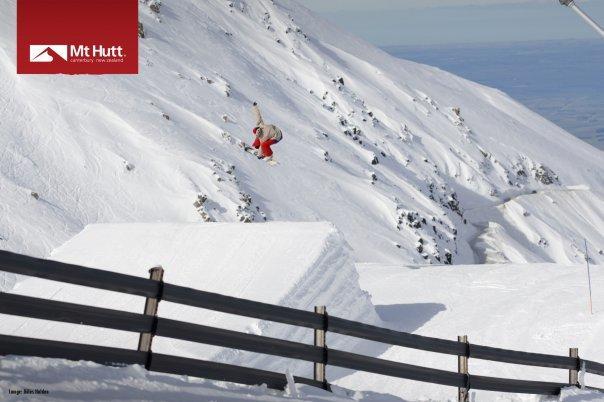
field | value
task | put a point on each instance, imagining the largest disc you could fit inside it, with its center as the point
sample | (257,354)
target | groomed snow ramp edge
(297,265)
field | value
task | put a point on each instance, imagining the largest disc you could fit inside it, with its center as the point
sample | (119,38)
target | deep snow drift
(300,265)
(392,152)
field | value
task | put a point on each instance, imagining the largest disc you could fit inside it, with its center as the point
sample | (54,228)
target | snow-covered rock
(367,136)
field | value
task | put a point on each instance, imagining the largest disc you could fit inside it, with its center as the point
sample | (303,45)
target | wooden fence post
(573,374)
(146,338)
(320,335)
(463,394)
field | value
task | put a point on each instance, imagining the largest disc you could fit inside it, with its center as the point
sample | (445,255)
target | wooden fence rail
(149,325)
(13,345)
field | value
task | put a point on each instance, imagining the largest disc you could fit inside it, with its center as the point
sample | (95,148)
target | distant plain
(561,80)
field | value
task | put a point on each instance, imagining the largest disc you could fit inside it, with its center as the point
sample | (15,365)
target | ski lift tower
(573,6)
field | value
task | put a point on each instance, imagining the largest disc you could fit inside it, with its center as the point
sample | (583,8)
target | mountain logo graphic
(47,53)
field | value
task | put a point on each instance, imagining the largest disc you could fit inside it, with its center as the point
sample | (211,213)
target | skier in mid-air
(266,136)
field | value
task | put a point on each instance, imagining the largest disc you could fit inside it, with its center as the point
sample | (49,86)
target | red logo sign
(77,37)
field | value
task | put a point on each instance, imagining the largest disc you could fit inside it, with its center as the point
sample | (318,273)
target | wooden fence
(150,325)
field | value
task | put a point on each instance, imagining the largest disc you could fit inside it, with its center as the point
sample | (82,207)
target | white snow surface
(528,307)
(69,381)
(98,149)
(539,308)
(299,265)
(85,381)
(520,230)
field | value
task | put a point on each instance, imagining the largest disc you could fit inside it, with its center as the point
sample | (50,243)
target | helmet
(257,130)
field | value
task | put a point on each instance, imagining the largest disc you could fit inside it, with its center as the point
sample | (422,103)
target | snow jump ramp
(298,265)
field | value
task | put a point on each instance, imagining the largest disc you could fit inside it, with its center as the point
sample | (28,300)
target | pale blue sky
(420,22)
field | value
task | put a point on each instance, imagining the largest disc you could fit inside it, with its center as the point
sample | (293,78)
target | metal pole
(573,6)
(320,335)
(591,306)
(463,394)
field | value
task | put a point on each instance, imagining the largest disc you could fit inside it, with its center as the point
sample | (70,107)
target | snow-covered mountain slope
(299,265)
(394,153)
(534,307)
